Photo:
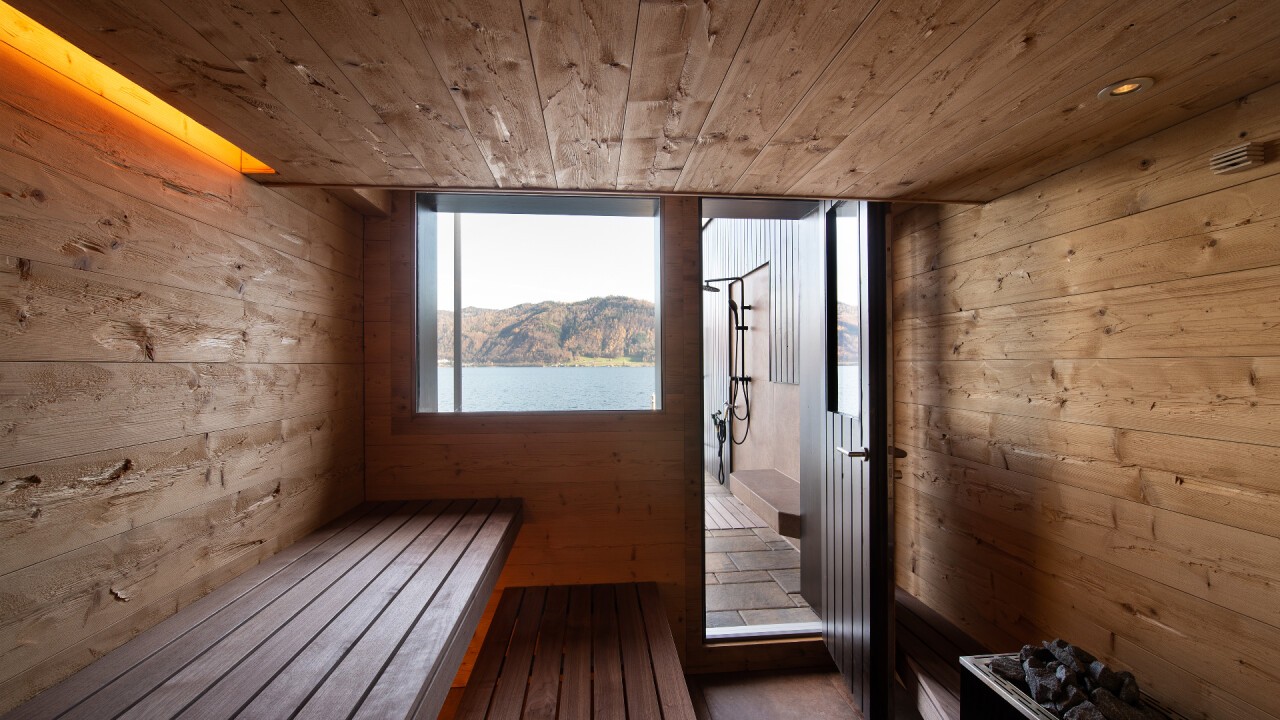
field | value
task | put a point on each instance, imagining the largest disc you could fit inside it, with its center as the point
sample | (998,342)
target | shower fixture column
(738,380)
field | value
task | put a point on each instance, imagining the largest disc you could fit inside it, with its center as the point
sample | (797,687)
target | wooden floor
(723,511)
(772,696)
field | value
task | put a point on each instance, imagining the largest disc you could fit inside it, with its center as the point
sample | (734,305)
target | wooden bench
(773,496)
(367,618)
(928,658)
(579,651)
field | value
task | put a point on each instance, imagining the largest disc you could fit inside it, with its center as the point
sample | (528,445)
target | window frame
(407,418)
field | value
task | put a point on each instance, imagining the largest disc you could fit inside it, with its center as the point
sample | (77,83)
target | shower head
(708,287)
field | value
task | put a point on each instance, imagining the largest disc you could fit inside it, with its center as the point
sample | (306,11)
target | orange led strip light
(49,49)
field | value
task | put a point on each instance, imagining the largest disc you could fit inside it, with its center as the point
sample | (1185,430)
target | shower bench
(368,617)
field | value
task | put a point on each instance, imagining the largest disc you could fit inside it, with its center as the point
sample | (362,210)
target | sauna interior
(247,468)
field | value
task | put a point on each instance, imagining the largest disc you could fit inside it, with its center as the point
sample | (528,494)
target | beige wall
(1086,382)
(179,374)
(774,440)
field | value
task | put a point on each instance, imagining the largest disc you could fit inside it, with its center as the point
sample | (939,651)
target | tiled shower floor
(753,574)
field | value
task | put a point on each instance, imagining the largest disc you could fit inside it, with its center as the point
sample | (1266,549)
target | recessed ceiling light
(1123,88)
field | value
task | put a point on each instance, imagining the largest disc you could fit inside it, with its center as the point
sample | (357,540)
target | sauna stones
(1072,684)
(1084,711)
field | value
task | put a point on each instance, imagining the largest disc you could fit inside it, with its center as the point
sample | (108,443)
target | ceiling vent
(1240,157)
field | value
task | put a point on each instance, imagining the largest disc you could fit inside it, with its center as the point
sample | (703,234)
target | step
(774,496)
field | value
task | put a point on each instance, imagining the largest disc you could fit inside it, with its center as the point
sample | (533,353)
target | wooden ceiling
(912,99)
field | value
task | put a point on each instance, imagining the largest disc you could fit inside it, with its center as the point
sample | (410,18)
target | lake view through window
(556,298)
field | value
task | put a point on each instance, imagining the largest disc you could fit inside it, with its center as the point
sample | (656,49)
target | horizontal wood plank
(1214,398)
(1226,482)
(51,217)
(65,314)
(1231,568)
(73,408)
(1219,316)
(1218,232)
(56,506)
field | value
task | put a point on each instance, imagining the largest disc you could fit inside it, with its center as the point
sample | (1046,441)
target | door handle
(897,453)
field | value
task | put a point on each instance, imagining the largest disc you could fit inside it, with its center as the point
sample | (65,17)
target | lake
(532,389)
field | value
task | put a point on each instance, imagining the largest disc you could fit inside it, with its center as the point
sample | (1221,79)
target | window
(846,228)
(537,303)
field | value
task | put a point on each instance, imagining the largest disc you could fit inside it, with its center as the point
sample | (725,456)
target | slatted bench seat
(578,651)
(367,618)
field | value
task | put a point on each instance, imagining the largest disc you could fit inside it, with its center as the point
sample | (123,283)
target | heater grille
(1240,157)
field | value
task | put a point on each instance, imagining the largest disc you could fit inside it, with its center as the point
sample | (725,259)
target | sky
(512,259)
(849,278)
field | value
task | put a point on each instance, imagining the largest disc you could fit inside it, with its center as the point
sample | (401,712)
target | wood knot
(26,481)
(24,269)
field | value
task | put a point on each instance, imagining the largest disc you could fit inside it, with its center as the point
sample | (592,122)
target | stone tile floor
(753,576)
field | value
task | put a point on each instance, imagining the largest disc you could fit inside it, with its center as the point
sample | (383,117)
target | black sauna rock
(1035,655)
(1075,658)
(1104,677)
(1072,684)
(1065,675)
(1084,711)
(1113,708)
(1009,669)
(1128,688)
(1074,696)
(1044,684)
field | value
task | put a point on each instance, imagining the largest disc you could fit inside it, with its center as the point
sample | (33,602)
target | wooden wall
(180,371)
(1086,375)
(607,496)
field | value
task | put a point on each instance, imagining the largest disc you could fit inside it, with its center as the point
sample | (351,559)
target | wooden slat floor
(723,511)
(578,651)
(367,618)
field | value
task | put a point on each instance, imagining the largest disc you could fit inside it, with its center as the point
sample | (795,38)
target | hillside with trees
(602,330)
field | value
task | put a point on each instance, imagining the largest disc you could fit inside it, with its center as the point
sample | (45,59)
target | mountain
(848,334)
(554,333)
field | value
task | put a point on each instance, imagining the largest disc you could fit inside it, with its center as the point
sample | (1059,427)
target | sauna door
(845,444)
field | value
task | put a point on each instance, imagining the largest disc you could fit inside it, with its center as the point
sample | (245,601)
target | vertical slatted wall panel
(733,248)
